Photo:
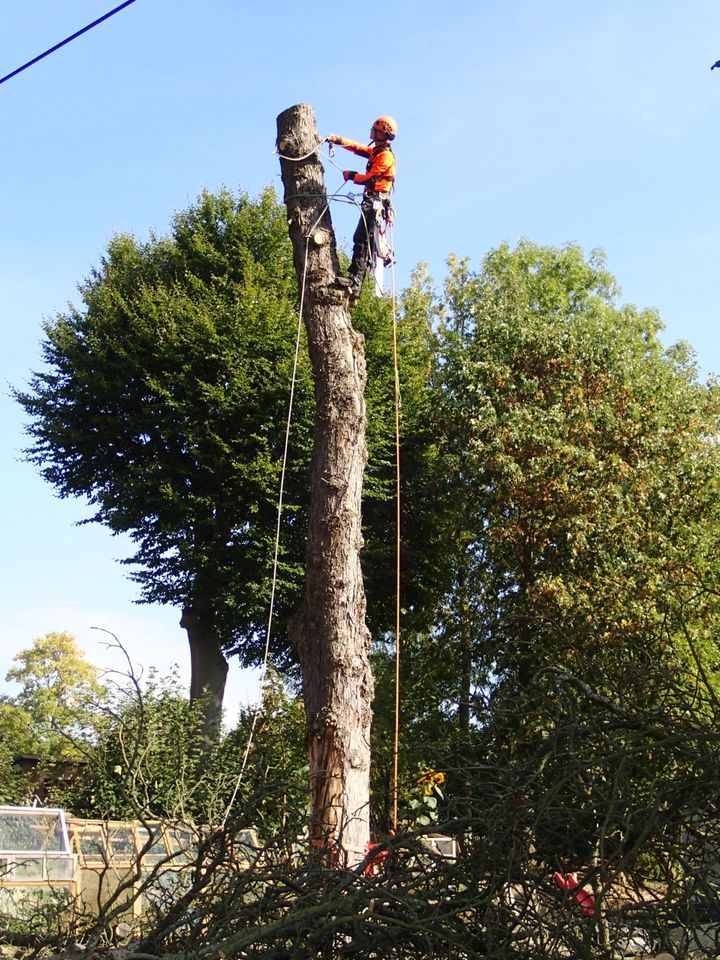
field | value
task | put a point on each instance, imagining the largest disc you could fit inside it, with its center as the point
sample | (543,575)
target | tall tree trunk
(208,669)
(329,631)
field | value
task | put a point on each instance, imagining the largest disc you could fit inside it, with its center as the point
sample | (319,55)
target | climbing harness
(380,247)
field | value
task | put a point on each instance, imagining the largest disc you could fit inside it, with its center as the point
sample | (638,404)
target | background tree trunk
(208,670)
(329,631)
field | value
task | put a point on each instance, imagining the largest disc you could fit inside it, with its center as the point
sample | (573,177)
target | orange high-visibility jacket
(380,171)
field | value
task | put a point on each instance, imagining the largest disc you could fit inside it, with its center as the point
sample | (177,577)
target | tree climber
(378,181)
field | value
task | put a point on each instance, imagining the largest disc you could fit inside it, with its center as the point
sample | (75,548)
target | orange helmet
(387,125)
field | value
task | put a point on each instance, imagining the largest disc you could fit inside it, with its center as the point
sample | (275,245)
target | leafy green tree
(578,510)
(162,404)
(274,783)
(16,727)
(55,709)
(585,471)
(15,739)
(145,763)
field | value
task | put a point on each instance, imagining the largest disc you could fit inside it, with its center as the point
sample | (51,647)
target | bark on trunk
(208,670)
(329,631)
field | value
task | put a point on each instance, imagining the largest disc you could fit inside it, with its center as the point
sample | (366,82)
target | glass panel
(31,831)
(25,903)
(165,888)
(183,840)
(157,848)
(91,844)
(248,843)
(245,846)
(446,848)
(30,868)
(60,868)
(122,842)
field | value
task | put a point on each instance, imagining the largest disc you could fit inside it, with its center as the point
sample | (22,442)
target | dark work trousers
(363,236)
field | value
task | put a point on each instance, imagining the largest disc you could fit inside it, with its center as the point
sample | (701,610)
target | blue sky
(547,119)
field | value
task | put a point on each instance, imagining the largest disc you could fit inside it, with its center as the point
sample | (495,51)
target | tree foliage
(576,482)
(162,400)
(585,469)
(56,707)
(15,739)
(150,762)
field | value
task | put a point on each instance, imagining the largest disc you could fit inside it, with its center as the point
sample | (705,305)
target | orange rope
(396,738)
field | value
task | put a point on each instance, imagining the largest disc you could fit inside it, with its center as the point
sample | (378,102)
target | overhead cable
(67,40)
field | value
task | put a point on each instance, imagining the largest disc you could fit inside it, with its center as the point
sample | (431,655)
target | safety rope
(305,156)
(398,511)
(283,471)
(398,502)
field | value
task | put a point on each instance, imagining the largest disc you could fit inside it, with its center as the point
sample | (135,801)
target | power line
(62,43)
